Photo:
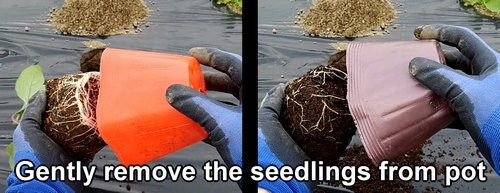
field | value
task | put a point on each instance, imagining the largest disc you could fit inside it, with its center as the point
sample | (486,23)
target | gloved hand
(30,143)
(474,91)
(276,147)
(223,122)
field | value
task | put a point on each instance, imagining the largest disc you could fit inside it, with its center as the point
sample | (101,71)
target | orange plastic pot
(133,115)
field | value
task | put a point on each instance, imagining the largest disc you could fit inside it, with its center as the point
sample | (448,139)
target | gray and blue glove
(223,122)
(31,143)
(470,82)
(276,147)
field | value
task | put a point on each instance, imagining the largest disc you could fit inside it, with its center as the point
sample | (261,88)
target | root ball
(315,111)
(70,118)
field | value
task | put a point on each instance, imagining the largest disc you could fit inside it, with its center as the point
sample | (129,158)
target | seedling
(69,119)
(29,82)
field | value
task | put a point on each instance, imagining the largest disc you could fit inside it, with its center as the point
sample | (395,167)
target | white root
(322,120)
(335,97)
(79,98)
(301,115)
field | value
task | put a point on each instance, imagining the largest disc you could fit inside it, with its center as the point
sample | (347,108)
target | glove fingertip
(425,70)
(437,77)
(417,65)
(194,50)
(426,32)
(179,96)
(177,92)
(201,54)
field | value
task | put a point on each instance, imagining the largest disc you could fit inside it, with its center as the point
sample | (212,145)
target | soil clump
(340,46)
(315,111)
(99,18)
(91,61)
(92,44)
(347,18)
(70,118)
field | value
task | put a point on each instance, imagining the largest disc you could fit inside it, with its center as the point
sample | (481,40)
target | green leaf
(29,82)
(493,5)
(237,2)
(473,2)
(10,151)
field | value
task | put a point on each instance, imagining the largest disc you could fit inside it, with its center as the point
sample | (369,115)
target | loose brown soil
(92,44)
(99,18)
(347,18)
(70,115)
(91,61)
(315,111)
(341,46)
(357,156)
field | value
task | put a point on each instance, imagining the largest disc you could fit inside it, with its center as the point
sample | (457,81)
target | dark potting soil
(357,156)
(338,61)
(91,61)
(63,121)
(315,111)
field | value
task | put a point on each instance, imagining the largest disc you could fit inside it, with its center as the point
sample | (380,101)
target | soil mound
(97,17)
(347,18)
(315,111)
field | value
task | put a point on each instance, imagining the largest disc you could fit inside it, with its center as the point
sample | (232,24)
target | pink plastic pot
(393,112)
